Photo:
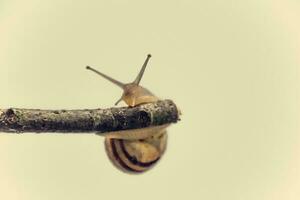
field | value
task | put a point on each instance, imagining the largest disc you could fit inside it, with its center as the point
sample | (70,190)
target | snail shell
(136,156)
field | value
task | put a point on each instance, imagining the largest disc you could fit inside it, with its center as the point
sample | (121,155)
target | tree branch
(16,120)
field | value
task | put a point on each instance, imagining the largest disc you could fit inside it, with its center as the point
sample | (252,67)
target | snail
(137,150)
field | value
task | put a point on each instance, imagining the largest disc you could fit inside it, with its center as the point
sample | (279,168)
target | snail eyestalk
(114,81)
(140,75)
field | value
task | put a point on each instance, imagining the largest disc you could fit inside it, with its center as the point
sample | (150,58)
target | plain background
(231,66)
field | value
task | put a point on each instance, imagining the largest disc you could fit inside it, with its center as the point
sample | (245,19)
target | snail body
(137,150)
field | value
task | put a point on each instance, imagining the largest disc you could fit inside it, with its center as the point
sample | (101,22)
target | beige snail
(137,150)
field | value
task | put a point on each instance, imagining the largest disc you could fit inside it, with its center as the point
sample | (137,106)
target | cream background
(231,66)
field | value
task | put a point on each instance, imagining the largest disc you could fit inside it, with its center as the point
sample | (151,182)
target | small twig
(16,120)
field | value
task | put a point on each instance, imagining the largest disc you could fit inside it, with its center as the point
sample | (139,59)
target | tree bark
(17,120)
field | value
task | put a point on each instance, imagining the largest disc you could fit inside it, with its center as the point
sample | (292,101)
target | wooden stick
(18,120)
